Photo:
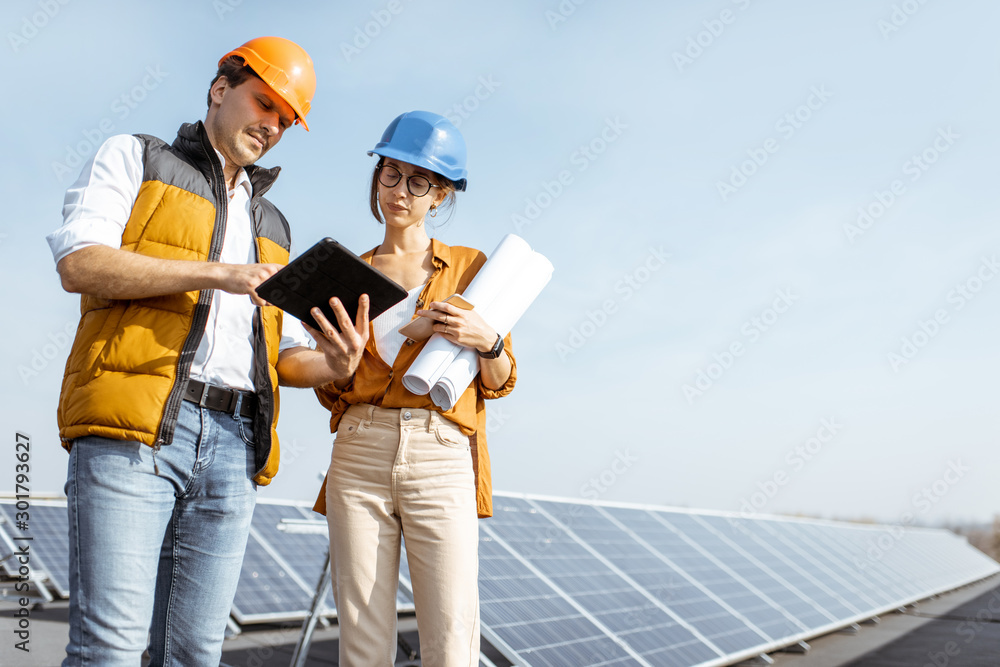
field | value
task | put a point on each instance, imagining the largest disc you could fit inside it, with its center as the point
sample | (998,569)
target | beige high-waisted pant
(403,471)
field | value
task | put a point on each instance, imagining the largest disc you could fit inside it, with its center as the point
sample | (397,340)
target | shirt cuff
(67,240)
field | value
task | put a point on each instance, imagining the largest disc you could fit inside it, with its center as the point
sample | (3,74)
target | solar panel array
(565,582)
(49,545)
(578,583)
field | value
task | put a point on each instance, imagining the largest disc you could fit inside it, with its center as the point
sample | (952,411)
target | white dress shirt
(98,206)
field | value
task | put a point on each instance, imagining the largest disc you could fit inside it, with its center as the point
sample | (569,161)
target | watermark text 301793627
(21,559)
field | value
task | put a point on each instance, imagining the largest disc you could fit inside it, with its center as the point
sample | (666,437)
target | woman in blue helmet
(400,465)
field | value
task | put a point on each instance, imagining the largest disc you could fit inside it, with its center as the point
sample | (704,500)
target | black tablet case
(326,270)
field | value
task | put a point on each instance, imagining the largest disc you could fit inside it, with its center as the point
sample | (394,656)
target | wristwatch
(495,350)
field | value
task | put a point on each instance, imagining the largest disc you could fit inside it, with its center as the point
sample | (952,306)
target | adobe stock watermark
(32,24)
(913,168)
(593,489)
(922,502)
(957,298)
(796,459)
(624,289)
(701,41)
(598,485)
(968,630)
(121,108)
(786,126)
(562,12)
(751,331)
(363,35)
(900,15)
(223,7)
(460,111)
(495,418)
(581,158)
(291,450)
(51,350)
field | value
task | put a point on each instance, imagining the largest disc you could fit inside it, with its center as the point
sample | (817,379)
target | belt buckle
(204,394)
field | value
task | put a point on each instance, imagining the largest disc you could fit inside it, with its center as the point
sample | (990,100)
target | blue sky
(720,328)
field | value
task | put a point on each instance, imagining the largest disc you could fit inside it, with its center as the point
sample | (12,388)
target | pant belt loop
(204,394)
(239,404)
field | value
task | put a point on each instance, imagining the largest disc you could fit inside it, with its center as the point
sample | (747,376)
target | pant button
(406,416)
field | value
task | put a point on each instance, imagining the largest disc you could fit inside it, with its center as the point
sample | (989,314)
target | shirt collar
(441,252)
(241,177)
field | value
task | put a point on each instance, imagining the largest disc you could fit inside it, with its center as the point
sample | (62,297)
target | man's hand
(244,279)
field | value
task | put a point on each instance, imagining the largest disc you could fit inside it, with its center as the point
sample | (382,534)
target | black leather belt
(220,398)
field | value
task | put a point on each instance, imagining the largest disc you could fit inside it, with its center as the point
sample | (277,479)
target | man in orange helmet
(170,398)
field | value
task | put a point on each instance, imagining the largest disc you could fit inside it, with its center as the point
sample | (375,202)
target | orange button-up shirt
(377,383)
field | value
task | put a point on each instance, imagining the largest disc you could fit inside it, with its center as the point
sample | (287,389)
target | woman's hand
(343,350)
(462,327)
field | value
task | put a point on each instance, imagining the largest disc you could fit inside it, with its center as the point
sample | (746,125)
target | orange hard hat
(285,67)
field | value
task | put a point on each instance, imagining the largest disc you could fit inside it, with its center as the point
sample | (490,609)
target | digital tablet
(327,270)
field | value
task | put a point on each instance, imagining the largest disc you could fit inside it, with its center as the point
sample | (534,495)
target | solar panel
(303,553)
(685,597)
(796,538)
(748,596)
(529,619)
(267,589)
(765,576)
(605,599)
(749,537)
(49,530)
(784,537)
(835,545)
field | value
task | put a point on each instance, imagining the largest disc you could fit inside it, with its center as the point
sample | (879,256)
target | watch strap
(494,351)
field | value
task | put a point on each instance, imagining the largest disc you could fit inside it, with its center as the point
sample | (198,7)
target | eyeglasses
(417,185)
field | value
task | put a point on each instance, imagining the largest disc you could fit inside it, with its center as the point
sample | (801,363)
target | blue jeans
(155,558)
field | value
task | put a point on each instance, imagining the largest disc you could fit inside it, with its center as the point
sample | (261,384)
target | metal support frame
(301,651)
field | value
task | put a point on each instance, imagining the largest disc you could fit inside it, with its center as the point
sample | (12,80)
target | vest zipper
(168,422)
(261,386)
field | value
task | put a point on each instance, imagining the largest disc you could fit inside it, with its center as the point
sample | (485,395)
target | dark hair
(236,71)
(439,180)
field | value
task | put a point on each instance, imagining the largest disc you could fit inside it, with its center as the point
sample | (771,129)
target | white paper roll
(506,285)
(430,364)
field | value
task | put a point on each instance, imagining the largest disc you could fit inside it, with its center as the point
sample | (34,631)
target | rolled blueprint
(509,281)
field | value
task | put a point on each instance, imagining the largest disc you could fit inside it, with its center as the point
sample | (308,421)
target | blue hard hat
(426,140)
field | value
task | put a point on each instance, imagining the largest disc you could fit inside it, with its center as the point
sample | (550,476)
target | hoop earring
(434,211)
